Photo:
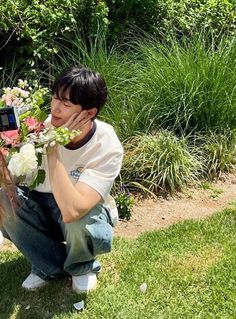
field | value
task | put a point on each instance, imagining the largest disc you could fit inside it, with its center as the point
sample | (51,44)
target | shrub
(188,86)
(163,18)
(34,28)
(124,203)
(219,152)
(159,161)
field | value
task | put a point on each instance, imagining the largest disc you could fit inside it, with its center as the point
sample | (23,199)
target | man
(65,222)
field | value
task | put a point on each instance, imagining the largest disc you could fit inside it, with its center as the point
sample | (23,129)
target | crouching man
(62,225)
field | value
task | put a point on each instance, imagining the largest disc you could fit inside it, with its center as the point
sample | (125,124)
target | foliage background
(169,66)
(33,28)
(170,70)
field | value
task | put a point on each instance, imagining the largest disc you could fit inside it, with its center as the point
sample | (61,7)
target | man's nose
(56,104)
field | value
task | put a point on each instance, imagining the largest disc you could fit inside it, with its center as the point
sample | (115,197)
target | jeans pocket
(100,234)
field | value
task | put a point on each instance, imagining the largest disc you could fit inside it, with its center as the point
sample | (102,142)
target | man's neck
(85,132)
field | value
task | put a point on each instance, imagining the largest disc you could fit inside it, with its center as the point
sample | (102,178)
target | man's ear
(92,112)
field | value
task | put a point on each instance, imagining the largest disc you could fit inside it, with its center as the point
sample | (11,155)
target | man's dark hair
(81,86)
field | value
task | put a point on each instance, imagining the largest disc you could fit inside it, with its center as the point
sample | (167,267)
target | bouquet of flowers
(24,147)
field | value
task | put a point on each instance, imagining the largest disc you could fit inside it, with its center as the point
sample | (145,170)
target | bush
(188,86)
(34,28)
(163,18)
(31,29)
(219,152)
(159,162)
(124,203)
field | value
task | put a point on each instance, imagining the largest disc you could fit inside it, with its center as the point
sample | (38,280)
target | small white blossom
(52,144)
(22,84)
(39,150)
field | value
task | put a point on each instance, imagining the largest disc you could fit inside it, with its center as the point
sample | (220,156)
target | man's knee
(92,232)
(101,234)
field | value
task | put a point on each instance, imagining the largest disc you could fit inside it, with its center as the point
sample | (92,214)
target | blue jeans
(52,247)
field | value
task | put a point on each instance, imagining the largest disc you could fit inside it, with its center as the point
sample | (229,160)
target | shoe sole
(80,291)
(34,288)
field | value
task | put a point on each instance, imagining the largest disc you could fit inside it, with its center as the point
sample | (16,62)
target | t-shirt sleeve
(101,177)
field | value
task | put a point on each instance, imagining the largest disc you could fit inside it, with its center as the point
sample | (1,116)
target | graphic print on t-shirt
(75,174)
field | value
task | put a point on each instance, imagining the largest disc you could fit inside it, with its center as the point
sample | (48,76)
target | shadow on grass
(57,298)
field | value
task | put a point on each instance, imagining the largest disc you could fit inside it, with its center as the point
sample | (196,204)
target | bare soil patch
(194,203)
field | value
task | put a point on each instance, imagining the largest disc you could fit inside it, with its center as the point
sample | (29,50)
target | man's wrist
(52,155)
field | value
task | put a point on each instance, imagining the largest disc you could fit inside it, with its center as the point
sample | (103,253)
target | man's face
(62,110)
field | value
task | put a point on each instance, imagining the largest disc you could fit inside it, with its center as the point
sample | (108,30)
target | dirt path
(194,203)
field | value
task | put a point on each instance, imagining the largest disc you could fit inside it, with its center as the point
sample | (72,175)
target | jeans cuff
(45,276)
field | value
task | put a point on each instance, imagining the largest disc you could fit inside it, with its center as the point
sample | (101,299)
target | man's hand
(77,121)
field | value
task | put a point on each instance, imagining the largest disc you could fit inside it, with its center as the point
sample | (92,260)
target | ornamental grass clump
(218,152)
(159,162)
(189,85)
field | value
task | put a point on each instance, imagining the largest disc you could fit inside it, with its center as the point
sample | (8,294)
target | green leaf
(40,157)
(38,180)
(40,115)
(24,131)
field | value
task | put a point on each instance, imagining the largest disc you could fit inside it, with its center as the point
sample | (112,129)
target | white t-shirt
(97,163)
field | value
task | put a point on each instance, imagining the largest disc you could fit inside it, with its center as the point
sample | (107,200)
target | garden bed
(193,203)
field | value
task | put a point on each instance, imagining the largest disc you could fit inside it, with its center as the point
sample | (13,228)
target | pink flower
(11,137)
(34,125)
(7,98)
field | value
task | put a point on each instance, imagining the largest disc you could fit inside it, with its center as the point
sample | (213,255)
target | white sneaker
(84,283)
(33,282)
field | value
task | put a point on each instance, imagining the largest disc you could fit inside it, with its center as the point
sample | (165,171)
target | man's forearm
(70,201)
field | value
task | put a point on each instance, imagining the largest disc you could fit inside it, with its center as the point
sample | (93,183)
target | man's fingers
(77,120)
(70,121)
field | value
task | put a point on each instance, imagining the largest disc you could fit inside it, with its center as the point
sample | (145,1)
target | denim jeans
(52,247)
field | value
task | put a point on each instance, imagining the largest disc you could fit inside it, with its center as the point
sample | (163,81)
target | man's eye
(67,105)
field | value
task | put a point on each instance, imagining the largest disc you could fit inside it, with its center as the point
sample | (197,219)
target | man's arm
(73,201)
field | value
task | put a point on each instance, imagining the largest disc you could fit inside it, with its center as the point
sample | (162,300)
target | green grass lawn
(190,271)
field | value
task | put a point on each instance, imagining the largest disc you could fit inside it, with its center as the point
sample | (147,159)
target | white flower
(52,144)
(39,150)
(25,162)
(22,84)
